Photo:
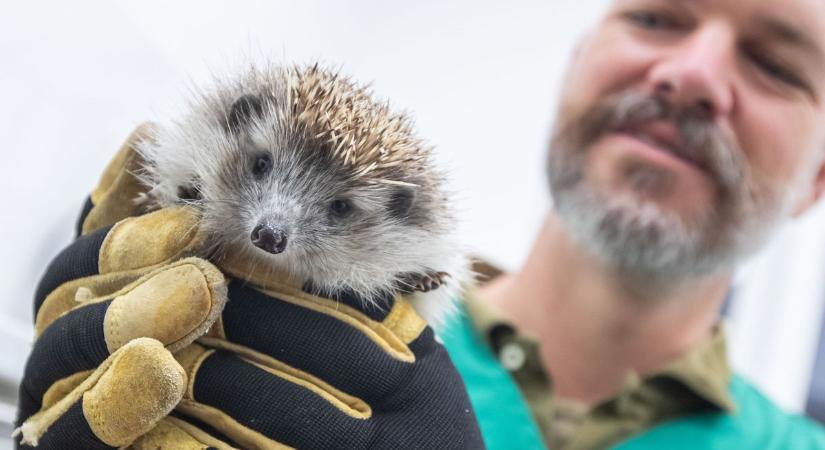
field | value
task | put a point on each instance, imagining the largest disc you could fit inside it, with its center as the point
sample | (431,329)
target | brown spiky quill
(366,135)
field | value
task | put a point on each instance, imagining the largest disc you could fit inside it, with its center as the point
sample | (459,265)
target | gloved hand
(93,377)
(280,367)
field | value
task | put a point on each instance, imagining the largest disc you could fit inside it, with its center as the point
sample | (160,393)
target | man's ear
(814,194)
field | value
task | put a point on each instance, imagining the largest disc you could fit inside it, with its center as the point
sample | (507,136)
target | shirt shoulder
(757,423)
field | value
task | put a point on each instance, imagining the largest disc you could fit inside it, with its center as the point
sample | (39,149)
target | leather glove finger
(174,304)
(118,402)
(106,260)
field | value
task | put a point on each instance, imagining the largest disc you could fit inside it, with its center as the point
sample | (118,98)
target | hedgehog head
(301,170)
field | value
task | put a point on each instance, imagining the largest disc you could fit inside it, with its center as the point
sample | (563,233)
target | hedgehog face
(300,171)
(304,202)
(291,205)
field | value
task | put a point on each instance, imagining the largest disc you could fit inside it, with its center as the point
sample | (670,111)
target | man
(687,130)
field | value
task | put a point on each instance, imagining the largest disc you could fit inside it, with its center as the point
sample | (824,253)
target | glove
(94,379)
(279,368)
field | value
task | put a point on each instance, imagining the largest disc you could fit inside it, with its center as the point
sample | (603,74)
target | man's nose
(697,71)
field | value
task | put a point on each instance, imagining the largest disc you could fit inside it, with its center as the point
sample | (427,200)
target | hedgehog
(301,171)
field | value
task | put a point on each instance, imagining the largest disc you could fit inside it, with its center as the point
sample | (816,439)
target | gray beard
(636,236)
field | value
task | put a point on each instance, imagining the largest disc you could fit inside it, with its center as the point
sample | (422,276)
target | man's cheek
(612,63)
(778,140)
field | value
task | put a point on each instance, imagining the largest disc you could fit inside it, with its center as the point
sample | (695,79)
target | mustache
(701,140)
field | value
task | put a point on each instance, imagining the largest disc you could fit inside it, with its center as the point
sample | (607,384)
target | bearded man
(687,131)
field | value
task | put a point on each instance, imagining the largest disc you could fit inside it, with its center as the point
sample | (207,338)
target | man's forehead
(788,19)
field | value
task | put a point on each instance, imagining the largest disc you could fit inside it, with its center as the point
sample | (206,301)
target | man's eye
(651,20)
(776,71)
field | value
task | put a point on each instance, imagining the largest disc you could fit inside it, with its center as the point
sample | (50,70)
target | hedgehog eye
(340,207)
(262,165)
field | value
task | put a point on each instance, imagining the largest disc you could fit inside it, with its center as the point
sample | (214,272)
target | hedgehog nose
(269,239)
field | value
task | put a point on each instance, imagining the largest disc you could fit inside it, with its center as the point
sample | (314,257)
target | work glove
(116,314)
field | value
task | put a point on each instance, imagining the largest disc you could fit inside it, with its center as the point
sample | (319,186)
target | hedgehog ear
(401,201)
(245,108)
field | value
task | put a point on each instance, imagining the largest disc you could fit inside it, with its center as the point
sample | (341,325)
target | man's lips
(664,137)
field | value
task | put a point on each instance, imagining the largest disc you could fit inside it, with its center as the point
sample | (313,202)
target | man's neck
(595,325)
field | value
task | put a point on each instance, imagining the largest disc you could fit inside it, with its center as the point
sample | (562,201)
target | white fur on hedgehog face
(364,251)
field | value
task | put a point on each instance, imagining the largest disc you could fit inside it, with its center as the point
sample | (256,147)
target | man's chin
(636,236)
(653,210)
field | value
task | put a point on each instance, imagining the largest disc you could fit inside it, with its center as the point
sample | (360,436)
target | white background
(481,79)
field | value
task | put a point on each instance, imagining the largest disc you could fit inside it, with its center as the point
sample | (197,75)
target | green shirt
(693,403)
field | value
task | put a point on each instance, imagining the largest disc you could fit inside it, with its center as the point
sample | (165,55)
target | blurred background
(480,78)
